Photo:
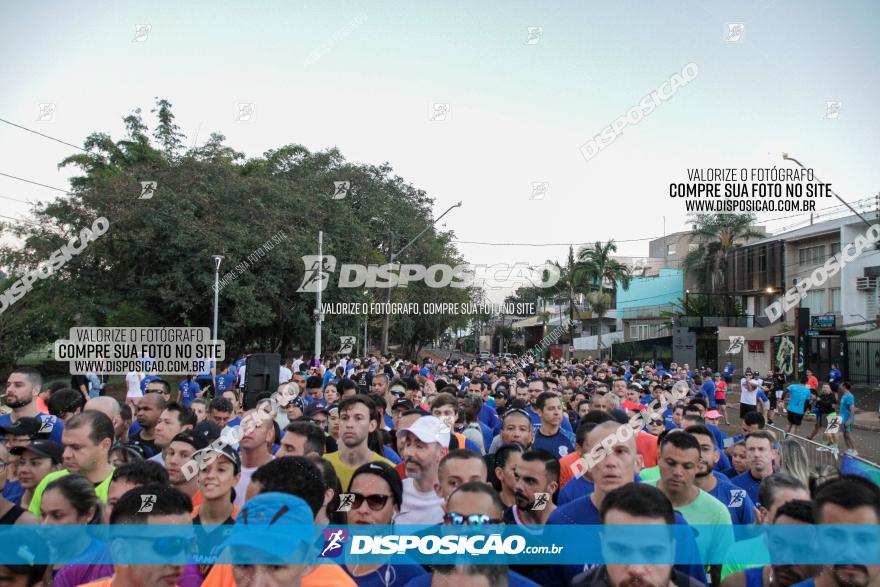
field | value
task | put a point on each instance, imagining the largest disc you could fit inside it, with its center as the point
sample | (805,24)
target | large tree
(153,266)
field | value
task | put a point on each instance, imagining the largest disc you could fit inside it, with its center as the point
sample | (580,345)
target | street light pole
(394,256)
(217,260)
(318,304)
(801,165)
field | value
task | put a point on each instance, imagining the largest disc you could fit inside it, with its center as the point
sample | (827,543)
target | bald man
(110,408)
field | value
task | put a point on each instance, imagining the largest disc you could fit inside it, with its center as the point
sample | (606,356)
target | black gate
(821,351)
(864,362)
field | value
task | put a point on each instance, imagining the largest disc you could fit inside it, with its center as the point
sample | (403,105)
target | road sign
(812,332)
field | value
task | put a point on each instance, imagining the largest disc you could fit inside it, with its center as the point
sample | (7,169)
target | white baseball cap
(428,429)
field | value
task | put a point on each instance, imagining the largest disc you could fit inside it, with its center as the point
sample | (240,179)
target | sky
(365,76)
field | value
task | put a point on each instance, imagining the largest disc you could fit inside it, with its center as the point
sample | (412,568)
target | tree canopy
(153,266)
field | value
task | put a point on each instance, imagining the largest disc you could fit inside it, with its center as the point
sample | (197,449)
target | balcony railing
(746,321)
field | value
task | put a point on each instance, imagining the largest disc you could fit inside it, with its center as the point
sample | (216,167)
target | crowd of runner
(381,441)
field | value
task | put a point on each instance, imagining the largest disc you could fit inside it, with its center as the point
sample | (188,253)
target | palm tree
(574,279)
(601,268)
(722,233)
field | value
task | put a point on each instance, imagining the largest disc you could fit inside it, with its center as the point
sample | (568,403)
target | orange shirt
(41,405)
(565,463)
(812,382)
(198,508)
(328,575)
(647,446)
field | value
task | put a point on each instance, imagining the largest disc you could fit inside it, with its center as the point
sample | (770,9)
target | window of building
(670,250)
(834,300)
(693,247)
(835,248)
(811,255)
(815,301)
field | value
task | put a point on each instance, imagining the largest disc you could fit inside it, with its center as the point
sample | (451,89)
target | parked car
(483,355)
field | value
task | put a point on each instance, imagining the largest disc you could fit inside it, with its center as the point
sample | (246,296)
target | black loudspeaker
(802,316)
(260,375)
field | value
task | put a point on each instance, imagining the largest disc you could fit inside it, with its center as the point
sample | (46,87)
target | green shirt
(101,489)
(705,510)
(650,474)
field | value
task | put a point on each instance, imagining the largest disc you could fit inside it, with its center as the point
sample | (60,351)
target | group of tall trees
(153,266)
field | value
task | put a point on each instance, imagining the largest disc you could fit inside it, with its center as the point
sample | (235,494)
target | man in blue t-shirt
(799,395)
(735,499)
(708,389)
(848,417)
(22,387)
(611,469)
(189,390)
(223,380)
(759,451)
(729,370)
(550,436)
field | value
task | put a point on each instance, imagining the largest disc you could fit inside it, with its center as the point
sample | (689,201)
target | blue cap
(298,402)
(273,523)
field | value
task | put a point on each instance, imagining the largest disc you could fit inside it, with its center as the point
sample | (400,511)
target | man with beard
(636,505)
(536,479)
(848,501)
(22,387)
(612,465)
(358,418)
(796,512)
(87,441)
(423,443)
(679,462)
(738,503)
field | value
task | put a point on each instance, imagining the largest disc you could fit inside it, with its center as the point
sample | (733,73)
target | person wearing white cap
(423,443)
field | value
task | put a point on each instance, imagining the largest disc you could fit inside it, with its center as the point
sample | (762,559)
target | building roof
(812,230)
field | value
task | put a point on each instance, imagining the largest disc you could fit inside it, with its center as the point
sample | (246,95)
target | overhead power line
(51,187)
(43,135)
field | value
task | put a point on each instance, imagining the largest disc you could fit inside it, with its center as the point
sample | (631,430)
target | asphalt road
(867,441)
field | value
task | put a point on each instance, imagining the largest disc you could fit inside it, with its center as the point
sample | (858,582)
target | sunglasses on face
(171,546)
(375,502)
(456,519)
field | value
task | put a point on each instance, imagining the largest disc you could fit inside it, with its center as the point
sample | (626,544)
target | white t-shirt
(133,384)
(296,364)
(749,395)
(421,508)
(284,375)
(241,379)
(242,485)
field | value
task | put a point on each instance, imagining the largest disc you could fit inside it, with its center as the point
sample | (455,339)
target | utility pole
(217,260)
(318,303)
(391,260)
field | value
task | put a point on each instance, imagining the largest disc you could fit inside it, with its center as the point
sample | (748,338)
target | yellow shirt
(344,472)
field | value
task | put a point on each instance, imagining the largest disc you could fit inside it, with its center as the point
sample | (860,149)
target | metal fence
(864,362)
(823,460)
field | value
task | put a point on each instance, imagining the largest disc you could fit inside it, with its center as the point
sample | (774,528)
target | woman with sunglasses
(376,492)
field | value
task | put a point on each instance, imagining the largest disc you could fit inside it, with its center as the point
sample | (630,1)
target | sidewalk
(868,421)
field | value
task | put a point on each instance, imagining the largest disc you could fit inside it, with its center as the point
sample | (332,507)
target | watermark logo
(141,32)
(334,542)
(736,345)
(832,109)
(646,106)
(737,497)
(147,503)
(148,190)
(734,32)
(340,189)
(346,345)
(439,111)
(823,273)
(534,34)
(245,112)
(319,268)
(541,501)
(346,501)
(46,112)
(540,190)
(834,422)
(47,424)
(56,261)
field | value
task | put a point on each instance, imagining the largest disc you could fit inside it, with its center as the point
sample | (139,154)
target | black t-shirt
(363,380)
(149,446)
(77,380)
